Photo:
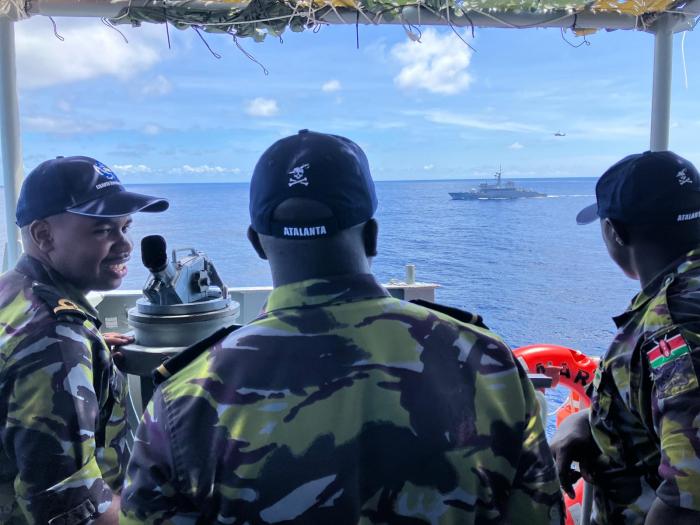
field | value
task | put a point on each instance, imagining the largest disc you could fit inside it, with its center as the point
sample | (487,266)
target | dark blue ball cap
(329,169)
(79,185)
(650,188)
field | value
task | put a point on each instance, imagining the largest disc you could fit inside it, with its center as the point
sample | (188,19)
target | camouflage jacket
(340,405)
(62,420)
(645,415)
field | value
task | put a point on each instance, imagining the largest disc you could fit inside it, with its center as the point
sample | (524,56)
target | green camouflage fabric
(343,405)
(62,417)
(645,415)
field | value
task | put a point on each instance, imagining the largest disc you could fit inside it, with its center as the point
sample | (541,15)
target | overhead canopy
(257,18)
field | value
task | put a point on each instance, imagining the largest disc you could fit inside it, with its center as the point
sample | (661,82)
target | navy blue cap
(650,188)
(79,185)
(329,169)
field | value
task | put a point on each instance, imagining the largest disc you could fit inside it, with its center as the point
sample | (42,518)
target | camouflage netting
(12,9)
(257,18)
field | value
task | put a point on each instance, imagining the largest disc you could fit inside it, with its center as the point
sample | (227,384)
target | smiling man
(62,423)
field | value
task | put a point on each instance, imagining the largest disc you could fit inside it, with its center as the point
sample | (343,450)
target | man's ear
(370,232)
(616,232)
(41,235)
(254,239)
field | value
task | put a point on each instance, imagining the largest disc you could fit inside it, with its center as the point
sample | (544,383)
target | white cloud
(438,63)
(428,167)
(64,105)
(330,86)
(348,123)
(617,128)
(516,145)
(151,129)
(132,168)
(205,168)
(486,124)
(611,129)
(262,107)
(90,50)
(389,124)
(158,86)
(62,126)
(376,50)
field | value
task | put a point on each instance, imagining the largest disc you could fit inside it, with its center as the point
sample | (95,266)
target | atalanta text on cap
(650,188)
(328,169)
(79,185)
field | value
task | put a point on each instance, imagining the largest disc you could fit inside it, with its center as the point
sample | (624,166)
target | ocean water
(524,265)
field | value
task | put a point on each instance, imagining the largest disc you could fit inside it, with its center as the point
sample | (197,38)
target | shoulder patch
(64,305)
(59,305)
(671,364)
(455,313)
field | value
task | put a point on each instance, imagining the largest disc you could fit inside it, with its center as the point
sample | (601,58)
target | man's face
(90,253)
(618,252)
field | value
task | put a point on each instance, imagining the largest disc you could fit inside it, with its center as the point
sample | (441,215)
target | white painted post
(410,274)
(10,137)
(661,93)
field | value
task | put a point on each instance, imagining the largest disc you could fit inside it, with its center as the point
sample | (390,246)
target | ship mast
(498,176)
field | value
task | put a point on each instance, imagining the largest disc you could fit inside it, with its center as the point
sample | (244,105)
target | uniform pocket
(602,399)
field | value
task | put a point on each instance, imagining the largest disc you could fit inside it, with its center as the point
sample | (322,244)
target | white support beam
(10,135)
(409,14)
(661,91)
(83,8)
(423,17)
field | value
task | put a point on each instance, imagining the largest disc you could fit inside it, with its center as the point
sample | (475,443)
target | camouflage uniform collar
(37,271)
(687,262)
(325,292)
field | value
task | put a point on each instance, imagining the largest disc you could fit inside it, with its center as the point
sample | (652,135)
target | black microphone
(155,257)
(153,253)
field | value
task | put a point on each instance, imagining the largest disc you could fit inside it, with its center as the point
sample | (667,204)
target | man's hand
(114,340)
(573,441)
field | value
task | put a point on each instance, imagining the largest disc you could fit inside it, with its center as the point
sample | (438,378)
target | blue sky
(424,110)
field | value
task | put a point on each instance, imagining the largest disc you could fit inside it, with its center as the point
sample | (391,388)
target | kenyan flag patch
(671,364)
(667,350)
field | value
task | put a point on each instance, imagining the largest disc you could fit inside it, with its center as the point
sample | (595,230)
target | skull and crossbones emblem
(298,177)
(683,177)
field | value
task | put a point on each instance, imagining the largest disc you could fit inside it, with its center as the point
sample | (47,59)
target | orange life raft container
(575,371)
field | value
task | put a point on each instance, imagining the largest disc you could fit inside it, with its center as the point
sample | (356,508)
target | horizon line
(165,183)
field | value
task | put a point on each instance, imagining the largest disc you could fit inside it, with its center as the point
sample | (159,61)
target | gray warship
(500,190)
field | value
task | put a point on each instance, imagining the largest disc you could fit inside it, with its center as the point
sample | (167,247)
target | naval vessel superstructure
(499,190)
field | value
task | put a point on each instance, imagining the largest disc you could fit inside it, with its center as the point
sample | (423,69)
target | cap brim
(119,204)
(588,215)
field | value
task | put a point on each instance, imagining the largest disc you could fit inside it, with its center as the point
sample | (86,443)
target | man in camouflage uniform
(640,443)
(62,421)
(340,404)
